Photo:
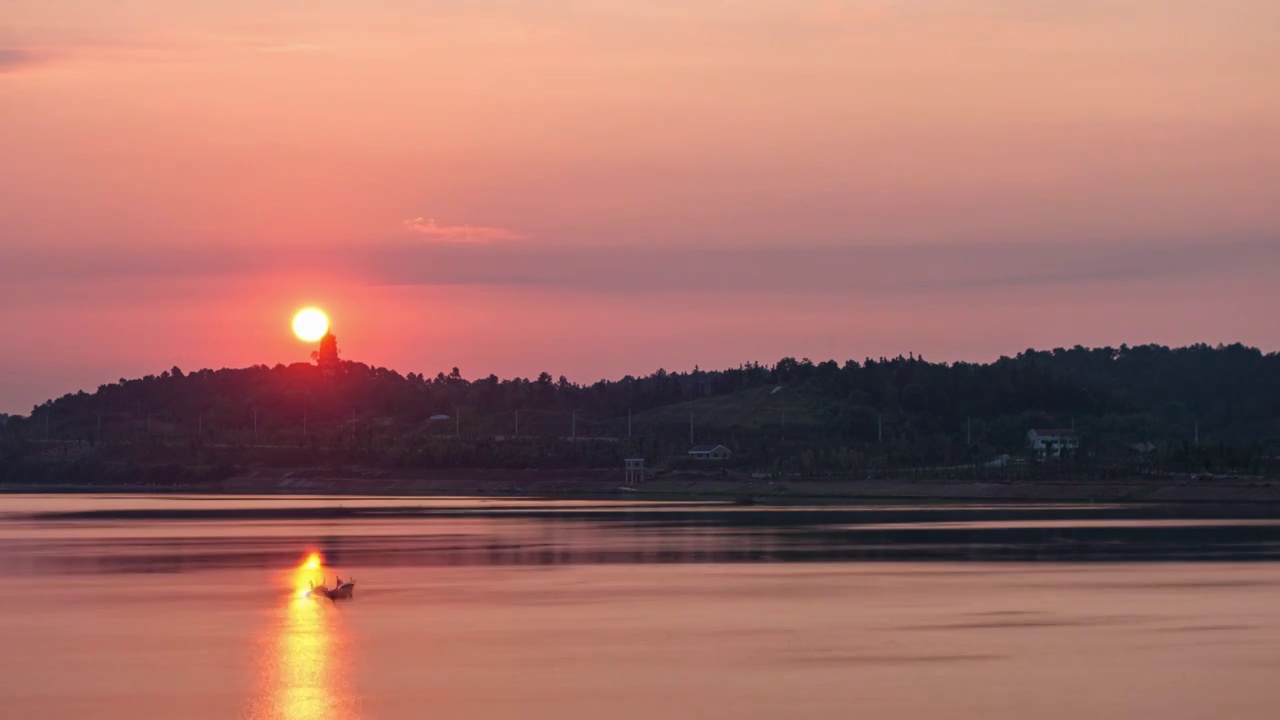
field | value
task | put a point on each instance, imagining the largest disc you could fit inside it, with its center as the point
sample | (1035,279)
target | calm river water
(480,609)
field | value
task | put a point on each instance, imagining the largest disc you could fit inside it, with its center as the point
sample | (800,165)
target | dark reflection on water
(181,539)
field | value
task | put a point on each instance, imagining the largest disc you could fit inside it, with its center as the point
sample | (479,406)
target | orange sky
(598,187)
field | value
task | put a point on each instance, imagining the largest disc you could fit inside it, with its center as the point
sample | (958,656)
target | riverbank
(608,483)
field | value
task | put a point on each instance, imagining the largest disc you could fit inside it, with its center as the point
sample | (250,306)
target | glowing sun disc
(310,324)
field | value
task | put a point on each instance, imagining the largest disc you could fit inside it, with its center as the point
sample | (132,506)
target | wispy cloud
(266,44)
(290,48)
(17,59)
(854,270)
(862,271)
(26,54)
(459,233)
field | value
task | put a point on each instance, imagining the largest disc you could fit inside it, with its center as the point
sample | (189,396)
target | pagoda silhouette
(327,356)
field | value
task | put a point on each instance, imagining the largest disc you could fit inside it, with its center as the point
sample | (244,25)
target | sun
(310,324)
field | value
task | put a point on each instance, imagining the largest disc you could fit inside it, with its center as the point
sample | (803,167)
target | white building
(710,452)
(1050,442)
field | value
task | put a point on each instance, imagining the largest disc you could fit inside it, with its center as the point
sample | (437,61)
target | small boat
(343,590)
(339,591)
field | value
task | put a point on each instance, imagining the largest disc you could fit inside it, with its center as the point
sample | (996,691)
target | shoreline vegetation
(1199,423)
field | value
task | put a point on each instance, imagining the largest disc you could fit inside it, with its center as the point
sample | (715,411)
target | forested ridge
(1168,405)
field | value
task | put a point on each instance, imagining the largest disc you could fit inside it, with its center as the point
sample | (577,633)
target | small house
(710,452)
(1051,442)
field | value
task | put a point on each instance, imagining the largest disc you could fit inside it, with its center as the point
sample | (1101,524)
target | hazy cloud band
(851,270)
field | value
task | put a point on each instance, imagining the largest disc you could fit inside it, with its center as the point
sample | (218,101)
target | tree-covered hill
(1151,400)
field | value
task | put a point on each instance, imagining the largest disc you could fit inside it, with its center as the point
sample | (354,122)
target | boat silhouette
(340,590)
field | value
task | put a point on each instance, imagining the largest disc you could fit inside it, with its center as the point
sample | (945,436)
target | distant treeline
(1132,407)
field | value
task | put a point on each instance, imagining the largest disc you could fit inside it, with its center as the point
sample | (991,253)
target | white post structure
(635,470)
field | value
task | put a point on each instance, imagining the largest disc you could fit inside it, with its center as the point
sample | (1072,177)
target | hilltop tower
(327,356)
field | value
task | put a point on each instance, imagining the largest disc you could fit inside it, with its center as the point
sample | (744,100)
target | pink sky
(598,187)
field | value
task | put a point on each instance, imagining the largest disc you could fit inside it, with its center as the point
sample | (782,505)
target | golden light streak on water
(304,685)
(310,572)
(304,664)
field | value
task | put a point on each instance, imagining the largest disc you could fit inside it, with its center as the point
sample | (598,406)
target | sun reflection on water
(310,572)
(305,663)
(304,689)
